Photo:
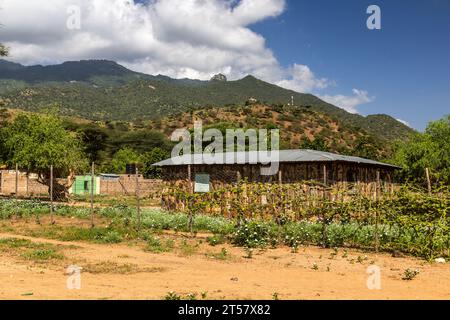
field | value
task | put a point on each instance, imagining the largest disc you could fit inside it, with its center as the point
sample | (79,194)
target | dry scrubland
(120,263)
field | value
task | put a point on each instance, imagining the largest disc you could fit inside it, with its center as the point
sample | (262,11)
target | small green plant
(275,296)
(216,240)
(204,295)
(191,296)
(172,296)
(315,267)
(112,237)
(345,255)
(361,259)
(334,253)
(188,249)
(248,253)
(410,274)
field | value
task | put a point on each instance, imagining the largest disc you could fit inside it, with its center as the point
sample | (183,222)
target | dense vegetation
(37,142)
(103,90)
(412,223)
(430,149)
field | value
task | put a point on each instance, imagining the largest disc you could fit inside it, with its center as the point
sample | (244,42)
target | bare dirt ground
(127,271)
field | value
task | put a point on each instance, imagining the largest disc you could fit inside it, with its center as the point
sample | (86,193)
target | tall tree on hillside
(36,142)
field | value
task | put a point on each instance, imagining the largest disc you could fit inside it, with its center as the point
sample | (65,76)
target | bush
(254,234)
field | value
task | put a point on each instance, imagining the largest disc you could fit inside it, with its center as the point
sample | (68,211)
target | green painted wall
(82,185)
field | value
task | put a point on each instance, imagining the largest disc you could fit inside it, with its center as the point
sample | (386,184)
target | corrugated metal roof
(255,157)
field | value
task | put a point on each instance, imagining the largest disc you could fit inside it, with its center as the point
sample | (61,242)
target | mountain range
(103,90)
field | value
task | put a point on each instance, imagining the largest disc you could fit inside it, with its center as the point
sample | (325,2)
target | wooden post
(92,193)
(138,199)
(17,189)
(377,195)
(28,182)
(51,195)
(427,172)
(190,178)
(17,182)
(324,214)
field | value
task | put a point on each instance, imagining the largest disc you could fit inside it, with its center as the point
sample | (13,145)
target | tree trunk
(60,190)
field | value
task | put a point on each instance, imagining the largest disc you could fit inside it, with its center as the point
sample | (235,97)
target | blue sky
(405,65)
(321,47)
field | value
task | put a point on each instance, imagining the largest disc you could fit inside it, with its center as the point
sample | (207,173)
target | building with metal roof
(205,173)
(265,157)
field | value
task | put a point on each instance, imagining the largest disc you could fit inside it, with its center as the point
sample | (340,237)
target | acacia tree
(36,142)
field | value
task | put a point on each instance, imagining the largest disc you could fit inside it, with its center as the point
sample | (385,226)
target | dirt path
(126,271)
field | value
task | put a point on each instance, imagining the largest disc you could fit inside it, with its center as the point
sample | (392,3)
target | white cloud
(349,103)
(302,79)
(406,123)
(178,38)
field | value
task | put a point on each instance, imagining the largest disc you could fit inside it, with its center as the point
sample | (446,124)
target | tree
(318,144)
(430,149)
(150,158)
(366,147)
(35,142)
(3,50)
(95,141)
(122,158)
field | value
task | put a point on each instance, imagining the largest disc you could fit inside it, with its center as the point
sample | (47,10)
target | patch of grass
(112,237)
(188,249)
(155,245)
(222,255)
(117,268)
(13,243)
(97,234)
(216,240)
(410,274)
(30,250)
(43,255)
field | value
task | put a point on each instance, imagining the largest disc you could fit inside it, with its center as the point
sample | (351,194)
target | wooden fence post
(27,186)
(324,214)
(190,179)
(138,203)
(427,172)
(16,190)
(92,194)
(377,197)
(51,195)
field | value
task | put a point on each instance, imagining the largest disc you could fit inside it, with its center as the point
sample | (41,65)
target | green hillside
(104,90)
